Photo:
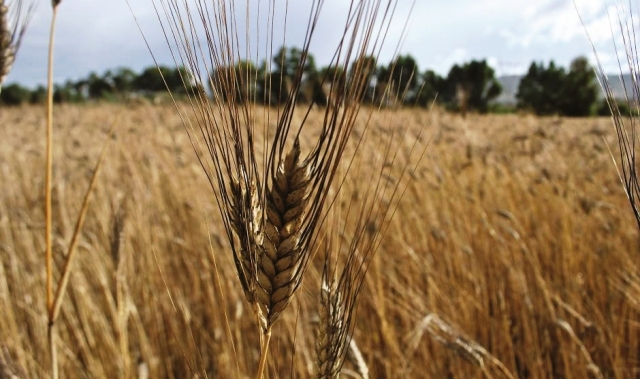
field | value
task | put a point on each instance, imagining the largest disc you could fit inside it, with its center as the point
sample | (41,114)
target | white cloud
(554,22)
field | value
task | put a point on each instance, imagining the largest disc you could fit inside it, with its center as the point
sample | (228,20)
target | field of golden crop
(513,254)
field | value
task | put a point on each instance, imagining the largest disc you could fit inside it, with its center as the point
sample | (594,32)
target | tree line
(471,86)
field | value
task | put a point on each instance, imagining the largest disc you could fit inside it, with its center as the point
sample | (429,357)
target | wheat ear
(330,349)
(281,252)
(268,232)
(271,208)
(13,24)
(7,52)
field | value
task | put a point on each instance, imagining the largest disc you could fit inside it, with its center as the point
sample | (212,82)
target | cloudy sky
(99,35)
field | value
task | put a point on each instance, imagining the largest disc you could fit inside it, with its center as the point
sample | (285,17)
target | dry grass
(514,233)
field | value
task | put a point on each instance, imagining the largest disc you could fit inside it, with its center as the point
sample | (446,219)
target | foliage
(38,95)
(552,90)
(400,78)
(471,86)
(157,79)
(431,88)
(14,94)
(580,89)
(291,67)
(544,90)
(540,89)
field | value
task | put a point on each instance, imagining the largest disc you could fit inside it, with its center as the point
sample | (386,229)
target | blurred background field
(513,253)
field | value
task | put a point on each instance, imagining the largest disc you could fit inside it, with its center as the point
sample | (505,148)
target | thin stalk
(47,211)
(51,332)
(49,163)
(71,253)
(264,350)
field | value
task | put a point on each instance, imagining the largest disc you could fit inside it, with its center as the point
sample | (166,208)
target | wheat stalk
(13,24)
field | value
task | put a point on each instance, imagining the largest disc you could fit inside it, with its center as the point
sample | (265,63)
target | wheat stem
(48,179)
(264,350)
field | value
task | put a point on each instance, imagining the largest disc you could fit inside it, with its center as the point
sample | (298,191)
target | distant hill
(510,87)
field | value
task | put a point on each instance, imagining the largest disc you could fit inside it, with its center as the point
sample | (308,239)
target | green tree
(262,83)
(330,81)
(401,76)
(292,69)
(69,93)
(153,79)
(38,95)
(471,86)
(580,89)
(14,94)
(362,74)
(98,87)
(541,89)
(603,108)
(150,80)
(431,88)
(288,62)
(121,81)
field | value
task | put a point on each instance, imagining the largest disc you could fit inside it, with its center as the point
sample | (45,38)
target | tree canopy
(548,90)
(470,86)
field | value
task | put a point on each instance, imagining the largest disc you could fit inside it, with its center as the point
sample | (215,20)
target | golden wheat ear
(13,24)
(281,253)
(271,192)
(271,202)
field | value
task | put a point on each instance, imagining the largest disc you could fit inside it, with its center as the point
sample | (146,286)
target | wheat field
(512,253)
